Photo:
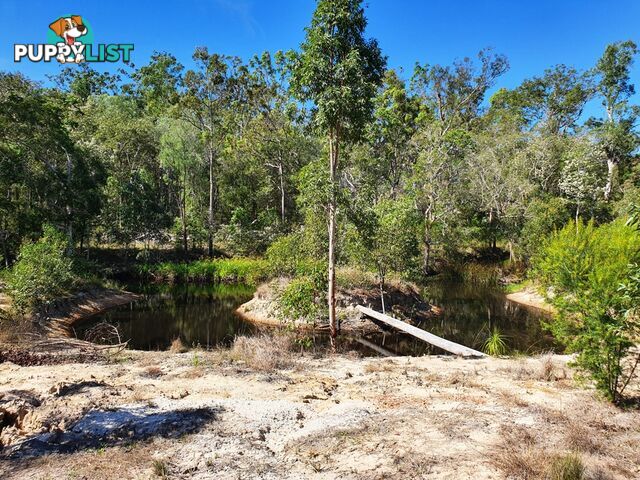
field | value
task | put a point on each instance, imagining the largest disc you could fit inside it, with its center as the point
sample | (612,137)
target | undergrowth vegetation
(41,273)
(240,270)
(587,269)
(481,274)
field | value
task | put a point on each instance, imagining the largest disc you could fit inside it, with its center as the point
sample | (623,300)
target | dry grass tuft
(414,466)
(160,468)
(193,372)
(549,371)
(379,366)
(518,456)
(265,352)
(140,396)
(518,371)
(511,399)
(153,371)
(462,379)
(550,416)
(580,439)
(177,346)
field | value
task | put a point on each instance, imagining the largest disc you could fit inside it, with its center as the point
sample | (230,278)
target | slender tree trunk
(282,199)
(331,297)
(5,246)
(185,237)
(426,255)
(211,202)
(381,285)
(612,171)
(493,233)
(183,213)
(5,235)
(69,209)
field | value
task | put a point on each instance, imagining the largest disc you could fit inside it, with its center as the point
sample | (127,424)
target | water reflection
(197,314)
(470,312)
(204,315)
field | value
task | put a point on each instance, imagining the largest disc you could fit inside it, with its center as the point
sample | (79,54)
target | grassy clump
(178,346)
(475,273)
(350,277)
(160,468)
(495,344)
(517,286)
(567,467)
(227,270)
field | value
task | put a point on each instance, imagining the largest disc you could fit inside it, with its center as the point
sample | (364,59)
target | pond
(200,315)
(469,313)
(204,315)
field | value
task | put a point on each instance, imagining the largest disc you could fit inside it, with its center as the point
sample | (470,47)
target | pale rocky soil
(212,415)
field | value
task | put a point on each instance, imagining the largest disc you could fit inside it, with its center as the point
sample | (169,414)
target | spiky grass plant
(495,344)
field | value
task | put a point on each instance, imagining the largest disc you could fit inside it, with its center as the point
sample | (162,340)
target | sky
(534,35)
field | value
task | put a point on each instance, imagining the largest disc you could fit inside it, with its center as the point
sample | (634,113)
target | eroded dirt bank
(61,316)
(206,415)
(57,319)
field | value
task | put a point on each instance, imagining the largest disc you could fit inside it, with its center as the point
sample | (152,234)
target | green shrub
(567,467)
(299,299)
(582,258)
(41,273)
(351,277)
(242,270)
(586,266)
(543,217)
(285,254)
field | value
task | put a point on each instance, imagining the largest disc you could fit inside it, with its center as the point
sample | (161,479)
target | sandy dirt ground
(531,298)
(217,415)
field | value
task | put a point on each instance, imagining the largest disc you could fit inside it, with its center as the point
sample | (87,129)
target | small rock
(179,395)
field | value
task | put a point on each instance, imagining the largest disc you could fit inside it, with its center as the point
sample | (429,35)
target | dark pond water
(204,315)
(469,313)
(198,314)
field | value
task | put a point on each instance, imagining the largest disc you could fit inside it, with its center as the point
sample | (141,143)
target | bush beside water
(41,273)
(590,270)
(232,270)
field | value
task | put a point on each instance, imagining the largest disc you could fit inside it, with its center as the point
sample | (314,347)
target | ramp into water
(439,342)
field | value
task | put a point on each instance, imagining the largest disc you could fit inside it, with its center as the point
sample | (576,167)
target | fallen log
(439,342)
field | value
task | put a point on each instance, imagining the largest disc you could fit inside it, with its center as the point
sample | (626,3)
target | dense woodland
(225,155)
(324,153)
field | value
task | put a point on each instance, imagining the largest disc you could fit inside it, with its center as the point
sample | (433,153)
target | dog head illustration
(69,28)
